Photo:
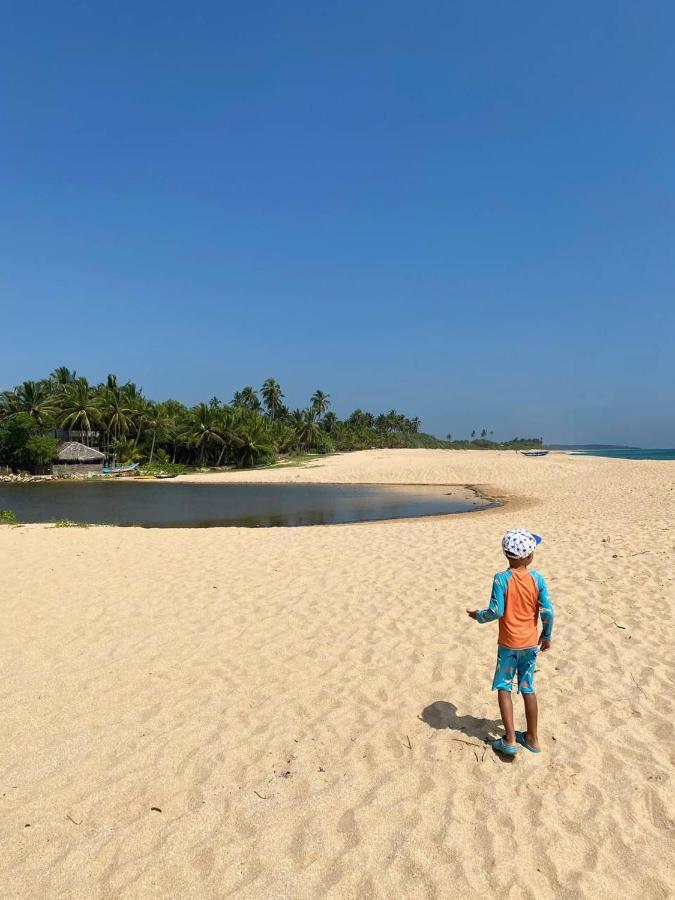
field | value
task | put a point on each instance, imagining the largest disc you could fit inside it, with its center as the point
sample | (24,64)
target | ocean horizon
(627,453)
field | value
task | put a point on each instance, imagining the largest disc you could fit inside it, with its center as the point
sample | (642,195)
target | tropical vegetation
(251,430)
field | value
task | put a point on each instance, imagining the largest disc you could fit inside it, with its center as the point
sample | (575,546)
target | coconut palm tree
(229,422)
(296,418)
(247,398)
(254,442)
(308,431)
(173,431)
(203,430)
(272,396)
(284,437)
(156,421)
(79,410)
(141,409)
(329,421)
(33,398)
(116,414)
(320,402)
(63,376)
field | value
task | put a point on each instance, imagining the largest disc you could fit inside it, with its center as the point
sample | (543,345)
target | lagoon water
(188,505)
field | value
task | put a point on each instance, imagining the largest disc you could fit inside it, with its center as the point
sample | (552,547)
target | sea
(627,453)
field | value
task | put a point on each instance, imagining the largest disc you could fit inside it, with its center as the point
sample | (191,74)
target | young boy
(518,598)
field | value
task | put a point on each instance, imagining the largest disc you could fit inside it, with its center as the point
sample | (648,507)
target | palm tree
(296,418)
(229,420)
(360,419)
(448,438)
(254,442)
(272,396)
(329,421)
(63,376)
(176,415)
(156,420)
(33,398)
(116,414)
(284,437)
(473,434)
(202,430)
(140,410)
(483,433)
(79,410)
(247,397)
(320,402)
(308,430)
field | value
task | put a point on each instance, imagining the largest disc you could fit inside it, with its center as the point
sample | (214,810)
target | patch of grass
(166,468)
(296,460)
(67,523)
(7,517)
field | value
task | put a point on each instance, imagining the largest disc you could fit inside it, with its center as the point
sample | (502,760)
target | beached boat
(163,475)
(119,470)
(534,452)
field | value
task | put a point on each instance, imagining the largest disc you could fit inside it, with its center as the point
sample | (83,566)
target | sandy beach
(302,713)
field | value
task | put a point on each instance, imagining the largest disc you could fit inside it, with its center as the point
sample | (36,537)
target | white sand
(260,687)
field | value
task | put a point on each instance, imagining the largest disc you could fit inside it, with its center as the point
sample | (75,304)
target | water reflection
(243,505)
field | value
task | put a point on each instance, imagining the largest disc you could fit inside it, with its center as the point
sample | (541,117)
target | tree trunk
(152,449)
(222,453)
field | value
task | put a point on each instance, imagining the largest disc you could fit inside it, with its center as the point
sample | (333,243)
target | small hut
(77,459)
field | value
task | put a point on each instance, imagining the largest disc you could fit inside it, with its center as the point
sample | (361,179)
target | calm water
(629,454)
(247,505)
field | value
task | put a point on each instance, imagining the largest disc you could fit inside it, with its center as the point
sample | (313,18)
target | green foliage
(484,444)
(168,436)
(272,398)
(157,468)
(41,450)
(7,517)
(247,398)
(23,446)
(68,523)
(254,443)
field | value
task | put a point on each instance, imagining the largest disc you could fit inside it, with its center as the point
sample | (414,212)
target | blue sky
(464,211)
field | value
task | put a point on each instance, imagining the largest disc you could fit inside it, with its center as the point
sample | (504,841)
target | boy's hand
(471,613)
(544,645)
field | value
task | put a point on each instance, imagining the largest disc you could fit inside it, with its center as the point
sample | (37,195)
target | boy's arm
(545,611)
(495,608)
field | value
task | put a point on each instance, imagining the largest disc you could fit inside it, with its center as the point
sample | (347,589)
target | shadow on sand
(443,714)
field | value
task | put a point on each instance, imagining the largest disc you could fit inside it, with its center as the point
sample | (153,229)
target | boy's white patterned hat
(519,543)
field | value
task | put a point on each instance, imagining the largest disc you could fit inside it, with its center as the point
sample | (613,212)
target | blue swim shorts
(511,662)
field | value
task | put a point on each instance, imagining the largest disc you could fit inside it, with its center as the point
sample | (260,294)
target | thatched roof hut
(77,459)
(74,452)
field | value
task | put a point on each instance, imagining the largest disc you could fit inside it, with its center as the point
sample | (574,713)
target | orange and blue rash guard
(519,598)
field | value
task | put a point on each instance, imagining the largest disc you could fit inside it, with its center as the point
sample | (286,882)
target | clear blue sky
(462,210)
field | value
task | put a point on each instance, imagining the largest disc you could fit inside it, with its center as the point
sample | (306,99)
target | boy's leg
(532,718)
(506,712)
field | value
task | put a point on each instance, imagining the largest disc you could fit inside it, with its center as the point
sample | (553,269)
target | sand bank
(307,707)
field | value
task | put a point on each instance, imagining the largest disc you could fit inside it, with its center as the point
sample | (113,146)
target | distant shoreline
(633,453)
